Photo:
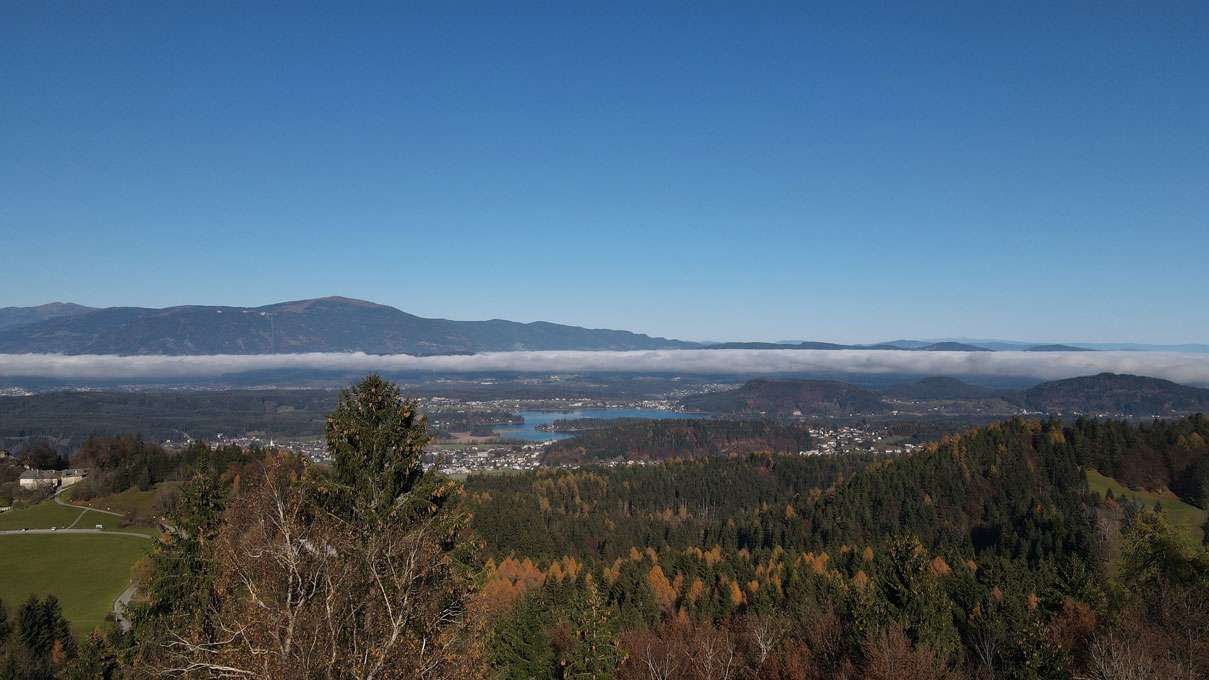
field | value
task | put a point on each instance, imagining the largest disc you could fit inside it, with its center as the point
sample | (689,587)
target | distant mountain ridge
(331,324)
(339,324)
(1058,348)
(899,345)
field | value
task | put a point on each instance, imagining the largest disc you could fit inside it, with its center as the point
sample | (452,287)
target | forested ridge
(981,555)
(984,555)
(680,438)
(790,397)
(1101,394)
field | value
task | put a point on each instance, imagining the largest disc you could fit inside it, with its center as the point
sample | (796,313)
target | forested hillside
(984,555)
(1172,454)
(590,513)
(663,439)
(937,388)
(1133,395)
(790,397)
(165,414)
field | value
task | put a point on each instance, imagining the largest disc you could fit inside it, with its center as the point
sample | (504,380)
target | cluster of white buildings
(472,459)
(849,439)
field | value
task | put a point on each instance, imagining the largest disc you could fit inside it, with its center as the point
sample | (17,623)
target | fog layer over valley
(1180,367)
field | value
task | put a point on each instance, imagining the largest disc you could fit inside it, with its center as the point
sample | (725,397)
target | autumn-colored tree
(661,588)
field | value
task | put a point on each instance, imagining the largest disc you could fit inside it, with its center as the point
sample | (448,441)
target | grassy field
(1189,519)
(129,502)
(48,514)
(86,573)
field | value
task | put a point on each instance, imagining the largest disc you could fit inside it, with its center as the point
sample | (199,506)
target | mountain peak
(13,317)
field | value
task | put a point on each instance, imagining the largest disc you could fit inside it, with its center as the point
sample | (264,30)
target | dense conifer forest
(646,440)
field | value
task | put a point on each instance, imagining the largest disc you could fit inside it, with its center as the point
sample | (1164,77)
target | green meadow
(86,573)
(1188,519)
(48,514)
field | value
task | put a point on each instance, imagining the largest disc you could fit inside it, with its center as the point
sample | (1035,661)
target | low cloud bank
(1182,368)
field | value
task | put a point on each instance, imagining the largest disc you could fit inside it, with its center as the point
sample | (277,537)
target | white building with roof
(38,479)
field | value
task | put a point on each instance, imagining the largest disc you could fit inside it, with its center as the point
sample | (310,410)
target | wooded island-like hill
(1116,393)
(789,397)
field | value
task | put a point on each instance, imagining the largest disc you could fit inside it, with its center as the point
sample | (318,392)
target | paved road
(19,532)
(119,607)
(81,507)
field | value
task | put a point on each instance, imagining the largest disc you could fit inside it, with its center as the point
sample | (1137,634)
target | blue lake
(528,431)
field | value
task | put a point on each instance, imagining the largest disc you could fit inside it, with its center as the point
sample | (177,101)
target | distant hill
(1116,393)
(898,345)
(1057,348)
(332,324)
(904,344)
(11,317)
(778,345)
(937,389)
(1022,346)
(952,347)
(784,397)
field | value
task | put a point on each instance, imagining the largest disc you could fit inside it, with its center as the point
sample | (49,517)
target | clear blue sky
(860,172)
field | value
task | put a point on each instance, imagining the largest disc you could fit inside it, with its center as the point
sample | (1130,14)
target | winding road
(81,507)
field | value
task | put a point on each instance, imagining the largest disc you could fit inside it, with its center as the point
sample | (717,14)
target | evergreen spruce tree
(4,625)
(59,627)
(96,661)
(595,655)
(915,600)
(391,507)
(376,439)
(34,631)
(10,668)
(518,647)
(180,595)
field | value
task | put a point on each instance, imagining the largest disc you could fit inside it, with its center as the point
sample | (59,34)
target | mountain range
(330,324)
(340,324)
